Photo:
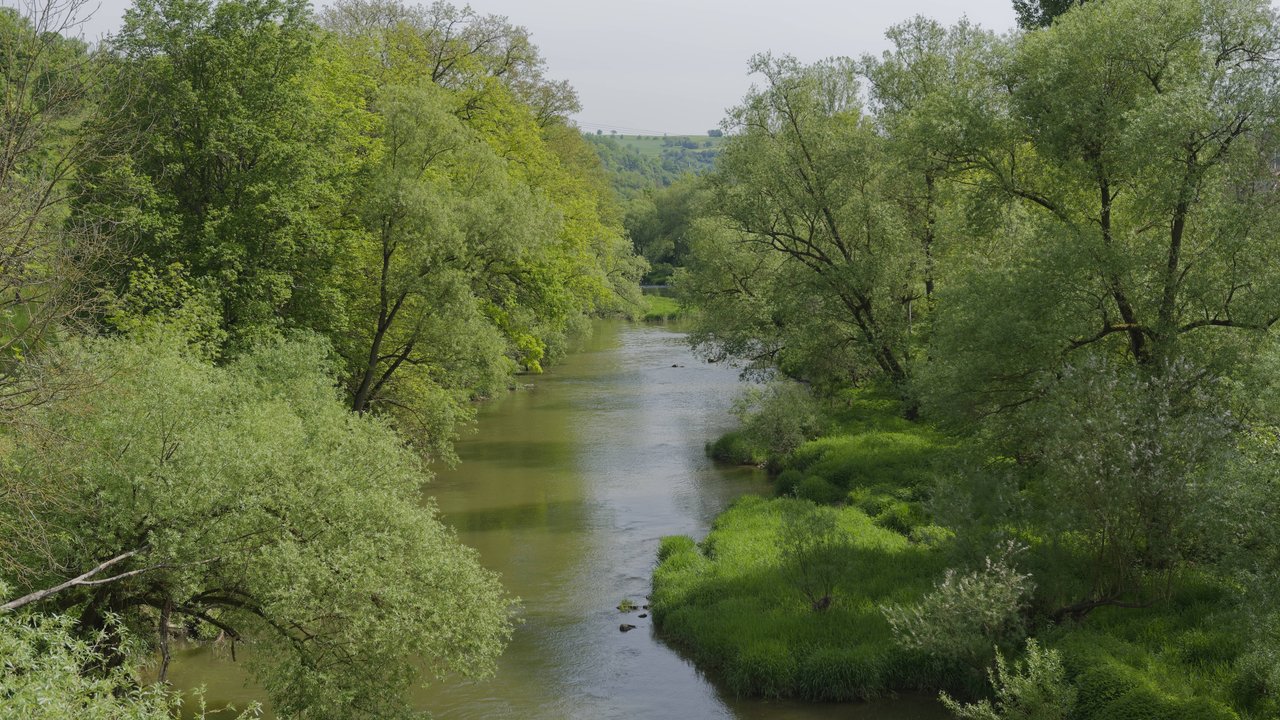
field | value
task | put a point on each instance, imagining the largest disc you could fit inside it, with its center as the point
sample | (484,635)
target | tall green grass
(730,604)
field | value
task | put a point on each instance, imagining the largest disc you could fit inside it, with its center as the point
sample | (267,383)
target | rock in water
(626,628)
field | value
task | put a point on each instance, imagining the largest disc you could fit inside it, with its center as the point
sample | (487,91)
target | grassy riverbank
(736,603)
(660,308)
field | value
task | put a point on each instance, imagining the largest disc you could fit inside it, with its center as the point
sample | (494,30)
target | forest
(1006,302)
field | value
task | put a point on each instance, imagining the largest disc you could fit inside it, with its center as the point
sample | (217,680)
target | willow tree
(1129,153)
(481,237)
(823,279)
(246,503)
(1133,146)
(439,215)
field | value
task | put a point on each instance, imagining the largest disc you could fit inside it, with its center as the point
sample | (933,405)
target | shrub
(1034,688)
(808,543)
(931,536)
(899,516)
(736,448)
(966,616)
(787,482)
(779,417)
(817,489)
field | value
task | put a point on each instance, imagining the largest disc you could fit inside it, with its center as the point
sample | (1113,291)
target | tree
(49,84)
(915,90)
(44,676)
(1138,183)
(247,500)
(818,249)
(236,156)
(1034,14)
(1126,157)
(439,213)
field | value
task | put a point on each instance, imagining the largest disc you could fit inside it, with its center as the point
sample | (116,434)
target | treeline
(1058,246)
(257,266)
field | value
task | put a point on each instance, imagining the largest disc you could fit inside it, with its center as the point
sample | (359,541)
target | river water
(565,489)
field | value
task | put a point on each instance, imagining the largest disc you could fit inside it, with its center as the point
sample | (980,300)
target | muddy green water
(565,489)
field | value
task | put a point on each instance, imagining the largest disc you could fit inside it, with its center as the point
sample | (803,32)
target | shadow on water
(565,489)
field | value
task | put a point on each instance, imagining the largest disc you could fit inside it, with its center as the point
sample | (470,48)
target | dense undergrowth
(736,602)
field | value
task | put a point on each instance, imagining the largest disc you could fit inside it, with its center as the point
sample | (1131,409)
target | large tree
(240,133)
(825,270)
(1127,153)
(247,501)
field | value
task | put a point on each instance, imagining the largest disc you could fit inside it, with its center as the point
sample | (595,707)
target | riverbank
(742,603)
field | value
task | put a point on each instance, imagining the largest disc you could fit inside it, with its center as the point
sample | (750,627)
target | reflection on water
(565,489)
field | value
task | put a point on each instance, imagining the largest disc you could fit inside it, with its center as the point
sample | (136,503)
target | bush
(816,489)
(779,417)
(931,536)
(808,546)
(966,616)
(1035,688)
(899,516)
(787,482)
(736,448)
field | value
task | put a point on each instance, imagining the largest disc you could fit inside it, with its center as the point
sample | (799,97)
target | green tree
(234,159)
(248,500)
(1034,14)
(807,266)
(1125,155)
(439,214)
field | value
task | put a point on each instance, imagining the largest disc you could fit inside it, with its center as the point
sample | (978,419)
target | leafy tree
(1123,157)
(235,157)
(438,211)
(1041,13)
(1133,146)
(917,90)
(49,85)
(248,500)
(807,252)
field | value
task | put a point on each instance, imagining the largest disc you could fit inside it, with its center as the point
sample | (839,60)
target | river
(565,489)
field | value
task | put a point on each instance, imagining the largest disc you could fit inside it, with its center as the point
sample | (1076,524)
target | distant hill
(640,163)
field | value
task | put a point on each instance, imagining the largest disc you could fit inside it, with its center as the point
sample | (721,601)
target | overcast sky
(673,66)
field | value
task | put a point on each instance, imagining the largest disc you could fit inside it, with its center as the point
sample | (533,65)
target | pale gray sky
(674,65)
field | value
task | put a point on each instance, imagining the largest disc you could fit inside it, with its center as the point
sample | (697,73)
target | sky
(675,66)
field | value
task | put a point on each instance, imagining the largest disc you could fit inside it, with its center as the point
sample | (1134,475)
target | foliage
(49,85)
(310,539)
(659,308)
(780,416)
(1041,13)
(731,603)
(809,545)
(737,448)
(42,675)
(809,270)
(1033,688)
(966,615)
